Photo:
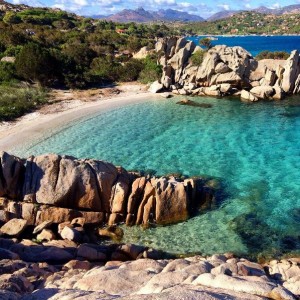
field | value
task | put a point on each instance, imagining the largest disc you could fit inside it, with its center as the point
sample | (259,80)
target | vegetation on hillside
(16,100)
(248,23)
(51,48)
(272,55)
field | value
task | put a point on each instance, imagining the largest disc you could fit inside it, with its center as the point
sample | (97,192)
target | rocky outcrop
(57,189)
(233,66)
(91,272)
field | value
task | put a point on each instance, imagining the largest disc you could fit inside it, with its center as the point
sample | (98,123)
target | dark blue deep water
(256,44)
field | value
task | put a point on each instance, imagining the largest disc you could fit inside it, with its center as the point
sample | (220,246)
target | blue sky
(204,8)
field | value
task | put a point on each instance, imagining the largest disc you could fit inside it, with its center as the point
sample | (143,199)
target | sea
(251,149)
(256,44)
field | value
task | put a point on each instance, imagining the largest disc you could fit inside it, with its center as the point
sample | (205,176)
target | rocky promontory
(224,71)
(59,188)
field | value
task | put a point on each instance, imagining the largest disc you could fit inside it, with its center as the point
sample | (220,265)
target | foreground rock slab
(189,278)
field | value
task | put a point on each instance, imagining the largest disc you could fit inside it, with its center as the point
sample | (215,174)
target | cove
(253,150)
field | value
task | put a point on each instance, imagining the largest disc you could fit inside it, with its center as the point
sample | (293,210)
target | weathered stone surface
(155,87)
(162,282)
(136,196)
(291,72)
(131,250)
(42,226)
(252,285)
(62,181)
(28,212)
(113,232)
(91,252)
(11,178)
(78,265)
(222,68)
(46,235)
(114,281)
(142,53)
(60,215)
(245,95)
(146,206)
(279,93)
(14,283)
(231,78)
(120,191)
(71,234)
(171,202)
(263,92)
(14,227)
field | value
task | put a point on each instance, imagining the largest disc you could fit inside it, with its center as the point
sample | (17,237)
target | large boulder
(247,96)
(155,87)
(263,92)
(171,202)
(14,227)
(291,72)
(67,182)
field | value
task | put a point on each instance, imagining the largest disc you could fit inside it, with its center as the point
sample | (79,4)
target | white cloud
(275,5)
(248,5)
(224,6)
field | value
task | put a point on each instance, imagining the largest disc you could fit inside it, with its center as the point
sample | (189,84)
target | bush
(272,55)
(7,72)
(206,43)
(35,63)
(13,50)
(104,68)
(151,72)
(197,57)
(16,101)
(130,71)
(11,18)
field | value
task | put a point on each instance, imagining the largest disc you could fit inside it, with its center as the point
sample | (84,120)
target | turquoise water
(256,44)
(253,149)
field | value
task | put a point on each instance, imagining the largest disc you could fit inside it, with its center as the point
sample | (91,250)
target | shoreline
(34,125)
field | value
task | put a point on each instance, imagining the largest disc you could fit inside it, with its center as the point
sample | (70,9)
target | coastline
(34,125)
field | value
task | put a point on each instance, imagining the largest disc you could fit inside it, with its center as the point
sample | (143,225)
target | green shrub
(130,71)
(206,43)
(7,72)
(35,64)
(272,55)
(151,72)
(197,57)
(13,50)
(11,18)
(16,101)
(104,68)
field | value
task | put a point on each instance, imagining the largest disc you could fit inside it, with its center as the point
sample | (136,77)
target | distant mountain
(223,15)
(143,16)
(290,9)
(175,15)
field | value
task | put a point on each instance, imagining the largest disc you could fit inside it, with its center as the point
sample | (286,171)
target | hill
(244,23)
(143,16)
(290,9)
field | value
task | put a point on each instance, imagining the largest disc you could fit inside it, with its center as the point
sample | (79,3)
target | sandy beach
(65,108)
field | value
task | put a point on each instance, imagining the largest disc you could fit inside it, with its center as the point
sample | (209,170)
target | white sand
(34,125)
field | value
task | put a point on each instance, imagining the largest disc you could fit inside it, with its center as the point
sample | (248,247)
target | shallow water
(253,149)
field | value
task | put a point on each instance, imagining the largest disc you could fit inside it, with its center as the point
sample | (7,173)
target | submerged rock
(193,103)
